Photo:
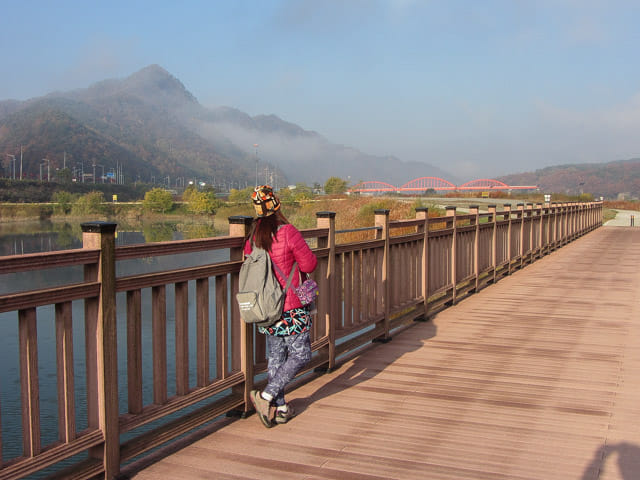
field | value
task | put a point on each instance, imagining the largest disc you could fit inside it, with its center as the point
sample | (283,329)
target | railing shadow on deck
(370,289)
(361,370)
(627,461)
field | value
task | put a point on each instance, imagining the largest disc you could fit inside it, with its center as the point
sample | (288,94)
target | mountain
(134,124)
(152,128)
(600,179)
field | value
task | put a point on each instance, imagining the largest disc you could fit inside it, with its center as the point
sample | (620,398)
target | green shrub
(335,185)
(64,201)
(91,203)
(367,211)
(201,203)
(158,200)
(240,196)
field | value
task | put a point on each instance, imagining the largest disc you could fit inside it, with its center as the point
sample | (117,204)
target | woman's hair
(264,229)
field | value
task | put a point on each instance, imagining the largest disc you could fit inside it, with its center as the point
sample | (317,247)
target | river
(33,237)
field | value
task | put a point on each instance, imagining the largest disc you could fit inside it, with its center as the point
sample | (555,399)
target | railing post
(328,220)
(239,226)
(559,224)
(579,211)
(521,215)
(571,221)
(382,220)
(475,210)
(546,239)
(507,209)
(540,228)
(102,383)
(601,214)
(589,216)
(556,225)
(567,223)
(451,212)
(423,213)
(529,215)
(494,240)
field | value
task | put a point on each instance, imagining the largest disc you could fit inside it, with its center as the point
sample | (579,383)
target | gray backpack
(260,296)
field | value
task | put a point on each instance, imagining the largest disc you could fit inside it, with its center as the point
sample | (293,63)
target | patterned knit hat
(264,201)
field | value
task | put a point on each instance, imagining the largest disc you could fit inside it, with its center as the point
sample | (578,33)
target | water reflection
(46,236)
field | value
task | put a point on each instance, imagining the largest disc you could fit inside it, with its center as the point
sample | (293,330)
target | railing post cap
(474,206)
(382,211)
(450,207)
(506,205)
(492,206)
(98,227)
(422,209)
(240,220)
(326,214)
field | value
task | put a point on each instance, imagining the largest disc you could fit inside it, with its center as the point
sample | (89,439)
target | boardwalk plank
(534,378)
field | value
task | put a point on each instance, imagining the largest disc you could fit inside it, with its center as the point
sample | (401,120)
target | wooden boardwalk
(536,377)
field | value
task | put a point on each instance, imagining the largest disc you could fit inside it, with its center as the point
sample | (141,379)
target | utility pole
(13,165)
(20,162)
(48,169)
(255,145)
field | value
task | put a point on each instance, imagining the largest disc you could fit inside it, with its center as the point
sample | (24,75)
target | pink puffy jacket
(288,247)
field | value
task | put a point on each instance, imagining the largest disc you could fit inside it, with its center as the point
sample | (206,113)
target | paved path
(623,219)
(536,377)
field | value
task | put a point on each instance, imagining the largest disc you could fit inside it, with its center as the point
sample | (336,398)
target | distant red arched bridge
(438,184)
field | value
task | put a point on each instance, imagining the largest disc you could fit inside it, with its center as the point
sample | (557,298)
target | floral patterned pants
(286,356)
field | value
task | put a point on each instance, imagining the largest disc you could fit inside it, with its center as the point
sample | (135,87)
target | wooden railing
(369,289)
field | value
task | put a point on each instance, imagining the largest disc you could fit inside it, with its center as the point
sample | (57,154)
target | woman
(288,343)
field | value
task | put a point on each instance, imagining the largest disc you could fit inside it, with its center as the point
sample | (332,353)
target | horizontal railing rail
(165,352)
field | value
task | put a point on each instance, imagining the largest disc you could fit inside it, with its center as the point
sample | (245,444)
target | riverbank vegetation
(199,212)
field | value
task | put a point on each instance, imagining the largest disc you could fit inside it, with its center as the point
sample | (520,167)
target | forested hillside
(602,179)
(153,129)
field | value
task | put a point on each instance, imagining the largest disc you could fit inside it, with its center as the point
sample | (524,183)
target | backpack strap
(290,279)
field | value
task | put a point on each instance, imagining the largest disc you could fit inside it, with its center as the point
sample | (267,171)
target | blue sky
(478,88)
